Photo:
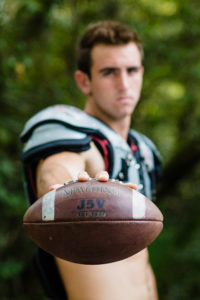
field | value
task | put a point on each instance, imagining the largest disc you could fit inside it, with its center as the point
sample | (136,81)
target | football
(93,222)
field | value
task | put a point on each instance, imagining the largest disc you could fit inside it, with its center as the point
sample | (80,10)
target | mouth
(124,99)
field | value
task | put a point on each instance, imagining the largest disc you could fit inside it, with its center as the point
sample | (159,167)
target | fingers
(102,176)
(131,185)
(54,187)
(83,176)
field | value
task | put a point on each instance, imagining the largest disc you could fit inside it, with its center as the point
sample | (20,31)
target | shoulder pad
(63,114)
(67,117)
(51,138)
(47,133)
(52,132)
(148,150)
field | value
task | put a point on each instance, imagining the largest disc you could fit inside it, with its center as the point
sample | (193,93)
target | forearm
(57,169)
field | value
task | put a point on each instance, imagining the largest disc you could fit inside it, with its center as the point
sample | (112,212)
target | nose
(123,81)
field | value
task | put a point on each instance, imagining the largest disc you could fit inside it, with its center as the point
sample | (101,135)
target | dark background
(37,61)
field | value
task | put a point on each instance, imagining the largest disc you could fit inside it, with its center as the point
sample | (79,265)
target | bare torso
(129,279)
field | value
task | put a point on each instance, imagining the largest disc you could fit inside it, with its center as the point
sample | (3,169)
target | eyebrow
(115,69)
(108,69)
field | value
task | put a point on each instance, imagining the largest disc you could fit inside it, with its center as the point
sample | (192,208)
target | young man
(64,143)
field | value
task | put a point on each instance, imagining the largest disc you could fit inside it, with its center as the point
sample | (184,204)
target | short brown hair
(105,32)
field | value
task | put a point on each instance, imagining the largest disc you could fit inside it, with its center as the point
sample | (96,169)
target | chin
(128,111)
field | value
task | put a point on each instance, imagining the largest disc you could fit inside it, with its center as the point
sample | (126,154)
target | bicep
(58,168)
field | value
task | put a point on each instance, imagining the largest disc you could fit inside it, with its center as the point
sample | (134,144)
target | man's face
(116,81)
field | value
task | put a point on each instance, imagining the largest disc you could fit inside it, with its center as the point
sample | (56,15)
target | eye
(133,70)
(108,71)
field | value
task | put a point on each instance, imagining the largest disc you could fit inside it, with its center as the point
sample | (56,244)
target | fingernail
(84,174)
(104,173)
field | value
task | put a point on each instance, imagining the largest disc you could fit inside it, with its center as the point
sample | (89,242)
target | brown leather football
(93,222)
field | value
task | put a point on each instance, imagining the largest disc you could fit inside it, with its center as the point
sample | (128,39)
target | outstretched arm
(82,281)
(58,168)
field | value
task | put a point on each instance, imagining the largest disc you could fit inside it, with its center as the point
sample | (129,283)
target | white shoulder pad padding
(62,114)
(147,148)
(52,132)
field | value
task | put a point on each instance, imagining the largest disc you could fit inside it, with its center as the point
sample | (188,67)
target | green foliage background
(36,70)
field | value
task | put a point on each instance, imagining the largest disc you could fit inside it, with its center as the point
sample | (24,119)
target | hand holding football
(93,222)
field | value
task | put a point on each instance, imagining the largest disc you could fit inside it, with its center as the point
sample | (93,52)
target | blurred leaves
(10,268)
(37,62)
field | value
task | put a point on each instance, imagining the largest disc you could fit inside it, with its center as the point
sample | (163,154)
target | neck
(120,126)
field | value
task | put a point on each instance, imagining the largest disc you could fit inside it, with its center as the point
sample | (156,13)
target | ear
(83,82)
